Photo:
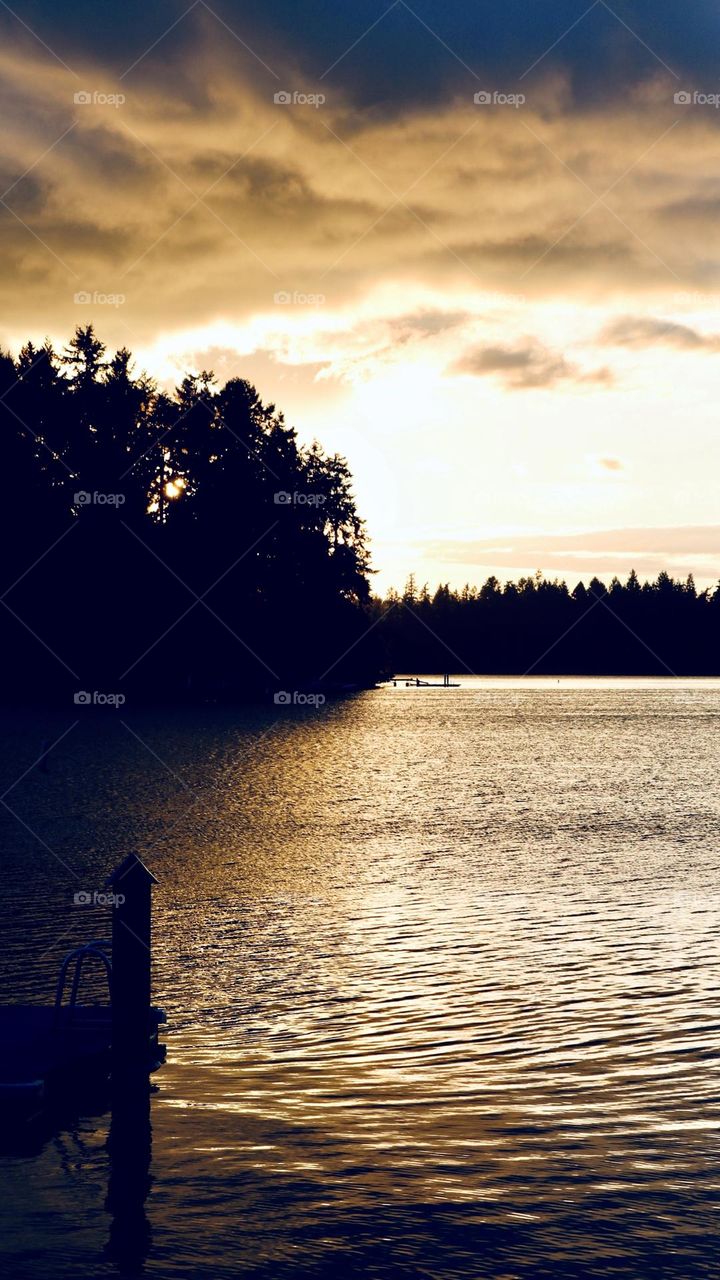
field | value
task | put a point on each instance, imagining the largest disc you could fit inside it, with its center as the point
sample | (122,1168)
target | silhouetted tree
(540,626)
(181,541)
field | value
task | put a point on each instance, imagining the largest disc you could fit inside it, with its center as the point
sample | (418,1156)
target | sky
(473,247)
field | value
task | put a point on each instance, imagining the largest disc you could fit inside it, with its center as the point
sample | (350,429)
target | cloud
(525,366)
(386,56)
(199,197)
(427,323)
(669,539)
(643,331)
(683,549)
(696,209)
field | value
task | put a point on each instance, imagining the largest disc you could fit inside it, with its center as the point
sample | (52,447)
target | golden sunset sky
(503,313)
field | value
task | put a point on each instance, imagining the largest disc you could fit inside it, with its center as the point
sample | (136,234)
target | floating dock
(415,682)
(45,1055)
(50,1052)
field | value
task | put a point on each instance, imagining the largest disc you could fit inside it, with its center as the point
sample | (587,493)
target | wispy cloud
(684,549)
(528,365)
(643,331)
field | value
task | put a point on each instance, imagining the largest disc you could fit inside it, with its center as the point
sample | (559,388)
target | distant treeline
(172,546)
(160,545)
(540,626)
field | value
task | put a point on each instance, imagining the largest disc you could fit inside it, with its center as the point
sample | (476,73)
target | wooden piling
(132,1024)
(68,1049)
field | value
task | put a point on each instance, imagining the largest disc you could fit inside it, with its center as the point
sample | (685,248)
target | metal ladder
(97,949)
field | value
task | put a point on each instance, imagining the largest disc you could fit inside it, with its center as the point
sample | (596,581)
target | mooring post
(131,884)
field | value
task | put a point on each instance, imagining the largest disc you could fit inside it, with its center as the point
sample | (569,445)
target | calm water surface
(441,973)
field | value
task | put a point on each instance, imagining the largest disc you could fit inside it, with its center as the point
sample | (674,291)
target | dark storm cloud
(385,54)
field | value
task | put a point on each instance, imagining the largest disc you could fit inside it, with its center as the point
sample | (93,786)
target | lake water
(440,969)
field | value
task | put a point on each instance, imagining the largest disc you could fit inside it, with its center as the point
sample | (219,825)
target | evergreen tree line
(536,625)
(163,545)
(154,544)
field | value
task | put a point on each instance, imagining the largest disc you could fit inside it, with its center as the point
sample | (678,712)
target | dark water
(441,971)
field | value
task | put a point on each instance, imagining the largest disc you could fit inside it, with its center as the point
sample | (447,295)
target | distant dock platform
(414,682)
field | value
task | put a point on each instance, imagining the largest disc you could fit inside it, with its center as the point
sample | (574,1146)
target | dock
(50,1052)
(414,682)
(45,1056)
